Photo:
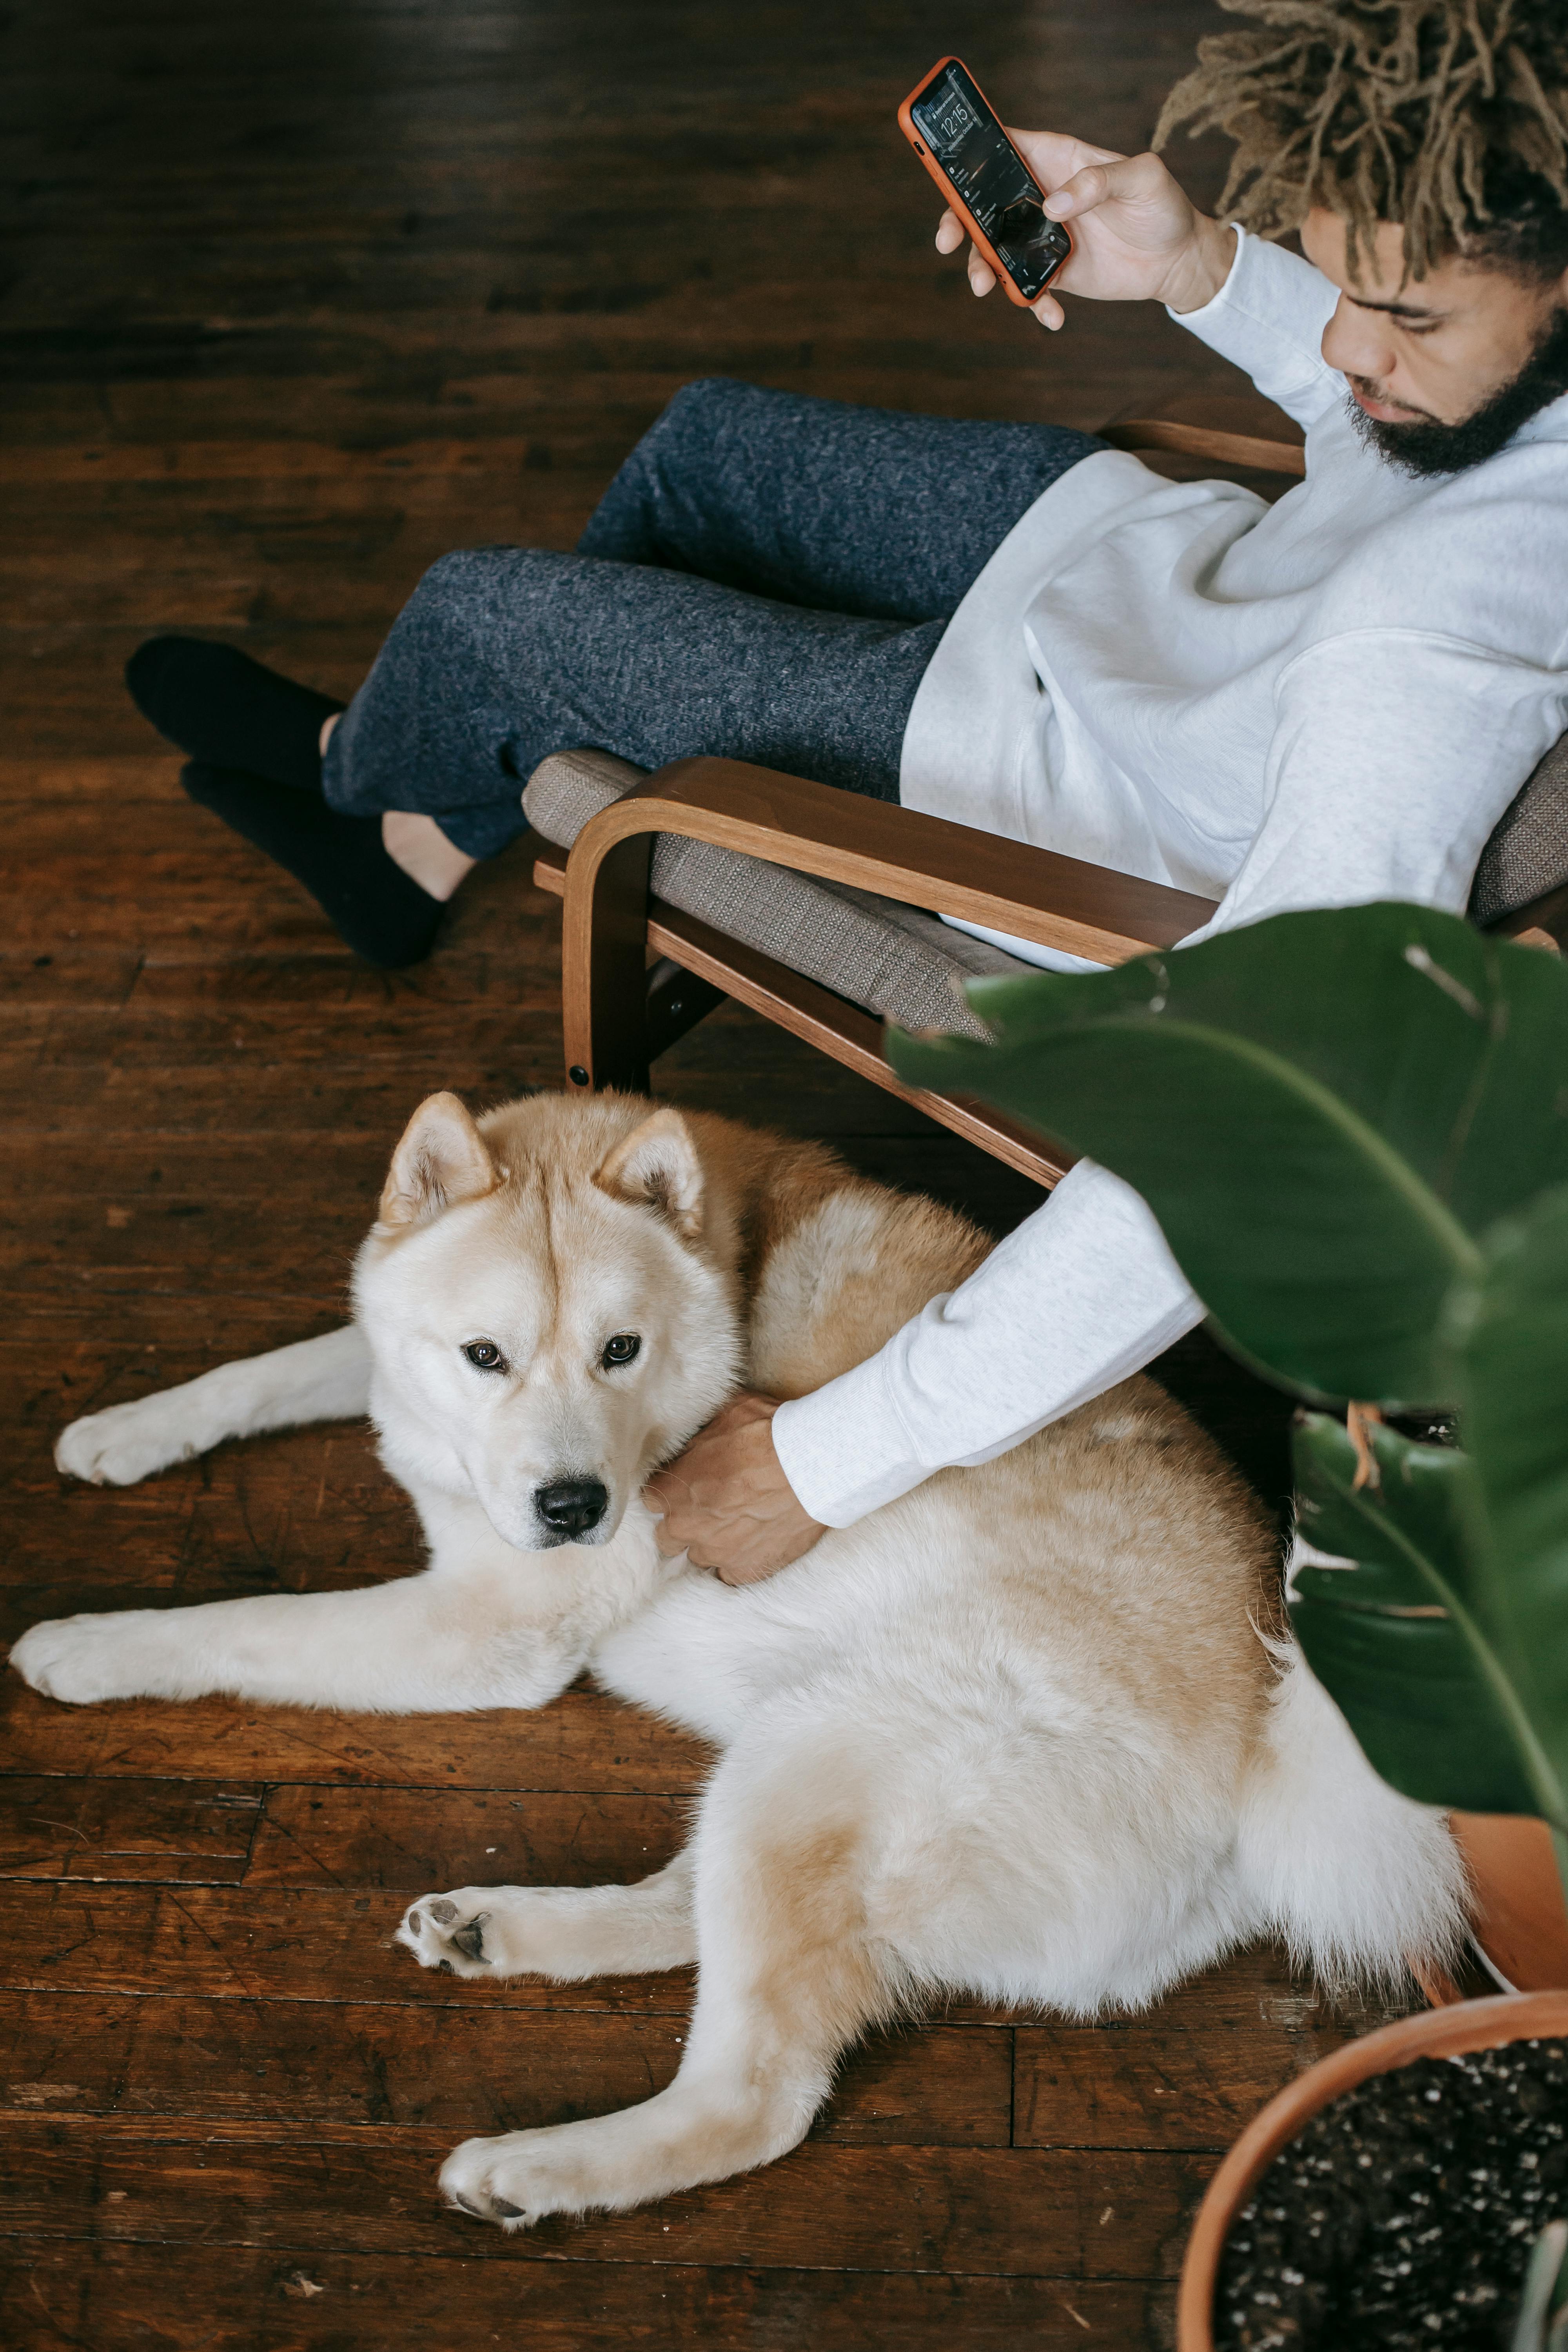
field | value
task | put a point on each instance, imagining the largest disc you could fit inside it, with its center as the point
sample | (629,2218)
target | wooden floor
(294,298)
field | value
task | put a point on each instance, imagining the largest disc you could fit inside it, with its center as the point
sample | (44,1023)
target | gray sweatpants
(766,578)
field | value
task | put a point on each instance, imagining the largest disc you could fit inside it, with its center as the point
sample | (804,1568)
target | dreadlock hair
(1448,116)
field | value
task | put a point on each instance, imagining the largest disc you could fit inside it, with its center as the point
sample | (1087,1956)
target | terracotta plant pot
(1439,2033)
(1521,1919)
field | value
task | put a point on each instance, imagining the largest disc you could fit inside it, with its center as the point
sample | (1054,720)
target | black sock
(380,911)
(218,705)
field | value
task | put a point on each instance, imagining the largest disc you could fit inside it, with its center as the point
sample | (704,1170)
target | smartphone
(986,179)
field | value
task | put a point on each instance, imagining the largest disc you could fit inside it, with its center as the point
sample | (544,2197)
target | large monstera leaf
(1400,1639)
(1446,1644)
(1505,1334)
(1326,1111)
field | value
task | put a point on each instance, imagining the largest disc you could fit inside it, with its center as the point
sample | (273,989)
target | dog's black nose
(572,1506)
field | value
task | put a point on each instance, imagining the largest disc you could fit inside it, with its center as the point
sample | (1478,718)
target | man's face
(1445,369)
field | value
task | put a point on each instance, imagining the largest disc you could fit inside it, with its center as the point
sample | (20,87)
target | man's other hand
(1137,234)
(727,1504)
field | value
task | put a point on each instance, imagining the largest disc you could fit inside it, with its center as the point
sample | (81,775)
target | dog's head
(549,1297)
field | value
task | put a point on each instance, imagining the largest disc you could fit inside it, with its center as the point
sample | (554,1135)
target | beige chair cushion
(906,965)
(1528,853)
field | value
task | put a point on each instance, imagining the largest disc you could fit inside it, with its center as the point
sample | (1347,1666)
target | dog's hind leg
(788,1976)
(327,1378)
(565,1932)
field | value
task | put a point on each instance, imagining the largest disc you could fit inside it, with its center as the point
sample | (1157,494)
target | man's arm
(1138,237)
(1269,316)
(1083,1294)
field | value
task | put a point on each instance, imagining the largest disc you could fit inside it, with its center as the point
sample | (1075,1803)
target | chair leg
(604,973)
(677,1001)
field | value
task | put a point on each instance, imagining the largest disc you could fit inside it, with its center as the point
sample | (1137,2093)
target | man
(1329,701)
(1326,701)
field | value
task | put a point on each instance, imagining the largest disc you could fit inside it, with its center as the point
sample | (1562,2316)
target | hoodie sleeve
(1268,317)
(1083,1294)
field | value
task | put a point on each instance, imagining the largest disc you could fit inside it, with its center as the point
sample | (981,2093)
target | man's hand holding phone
(1137,236)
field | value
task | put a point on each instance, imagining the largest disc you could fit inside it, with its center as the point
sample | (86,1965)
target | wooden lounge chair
(714,879)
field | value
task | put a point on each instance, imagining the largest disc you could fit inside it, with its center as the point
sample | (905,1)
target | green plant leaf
(1545,2292)
(1395,1638)
(1507,1336)
(1325,1111)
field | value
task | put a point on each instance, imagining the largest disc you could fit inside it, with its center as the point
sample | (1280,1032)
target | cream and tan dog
(1032,1733)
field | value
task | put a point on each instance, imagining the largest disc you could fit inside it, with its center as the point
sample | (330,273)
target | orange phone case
(951,195)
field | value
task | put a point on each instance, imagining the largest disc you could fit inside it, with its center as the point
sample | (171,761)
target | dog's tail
(1361,1883)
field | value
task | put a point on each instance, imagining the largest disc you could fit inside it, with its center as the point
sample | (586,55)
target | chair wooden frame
(619,1014)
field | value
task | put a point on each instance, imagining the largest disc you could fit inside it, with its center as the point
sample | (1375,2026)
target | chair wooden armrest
(613,1026)
(618,1018)
(1543,923)
(1217,447)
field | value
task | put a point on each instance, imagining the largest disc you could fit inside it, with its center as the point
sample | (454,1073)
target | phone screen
(986,170)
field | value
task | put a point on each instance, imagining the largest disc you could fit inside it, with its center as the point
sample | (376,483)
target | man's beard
(1426,446)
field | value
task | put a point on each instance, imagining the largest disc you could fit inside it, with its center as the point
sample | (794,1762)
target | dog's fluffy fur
(1035,1732)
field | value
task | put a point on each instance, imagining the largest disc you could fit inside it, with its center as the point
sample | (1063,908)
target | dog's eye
(621,1349)
(485,1356)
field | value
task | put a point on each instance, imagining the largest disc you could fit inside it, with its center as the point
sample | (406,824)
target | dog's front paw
(87,1658)
(463,1933)
(517,2179)
(126,1443)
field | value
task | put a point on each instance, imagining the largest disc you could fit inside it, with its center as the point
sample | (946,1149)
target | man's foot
(418,845)
(218,706)
(370,902)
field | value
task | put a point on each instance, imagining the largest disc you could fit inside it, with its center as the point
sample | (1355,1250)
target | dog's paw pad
(447,1933)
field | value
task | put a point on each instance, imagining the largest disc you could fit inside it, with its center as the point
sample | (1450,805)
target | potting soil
(1403,2213)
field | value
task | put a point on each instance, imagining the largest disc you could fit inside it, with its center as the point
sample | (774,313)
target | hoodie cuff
(844,1448)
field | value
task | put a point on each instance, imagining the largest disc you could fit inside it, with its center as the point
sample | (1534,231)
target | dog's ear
(441,1160)
(656,1166)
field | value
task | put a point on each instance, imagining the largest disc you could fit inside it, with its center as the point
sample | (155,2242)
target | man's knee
(459,590)
(455,579)
(704,412)
(700,402)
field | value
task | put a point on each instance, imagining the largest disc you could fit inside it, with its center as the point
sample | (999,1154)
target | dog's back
(1098,1614)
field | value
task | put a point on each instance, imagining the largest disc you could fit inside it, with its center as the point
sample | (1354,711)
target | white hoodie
(1320,703)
